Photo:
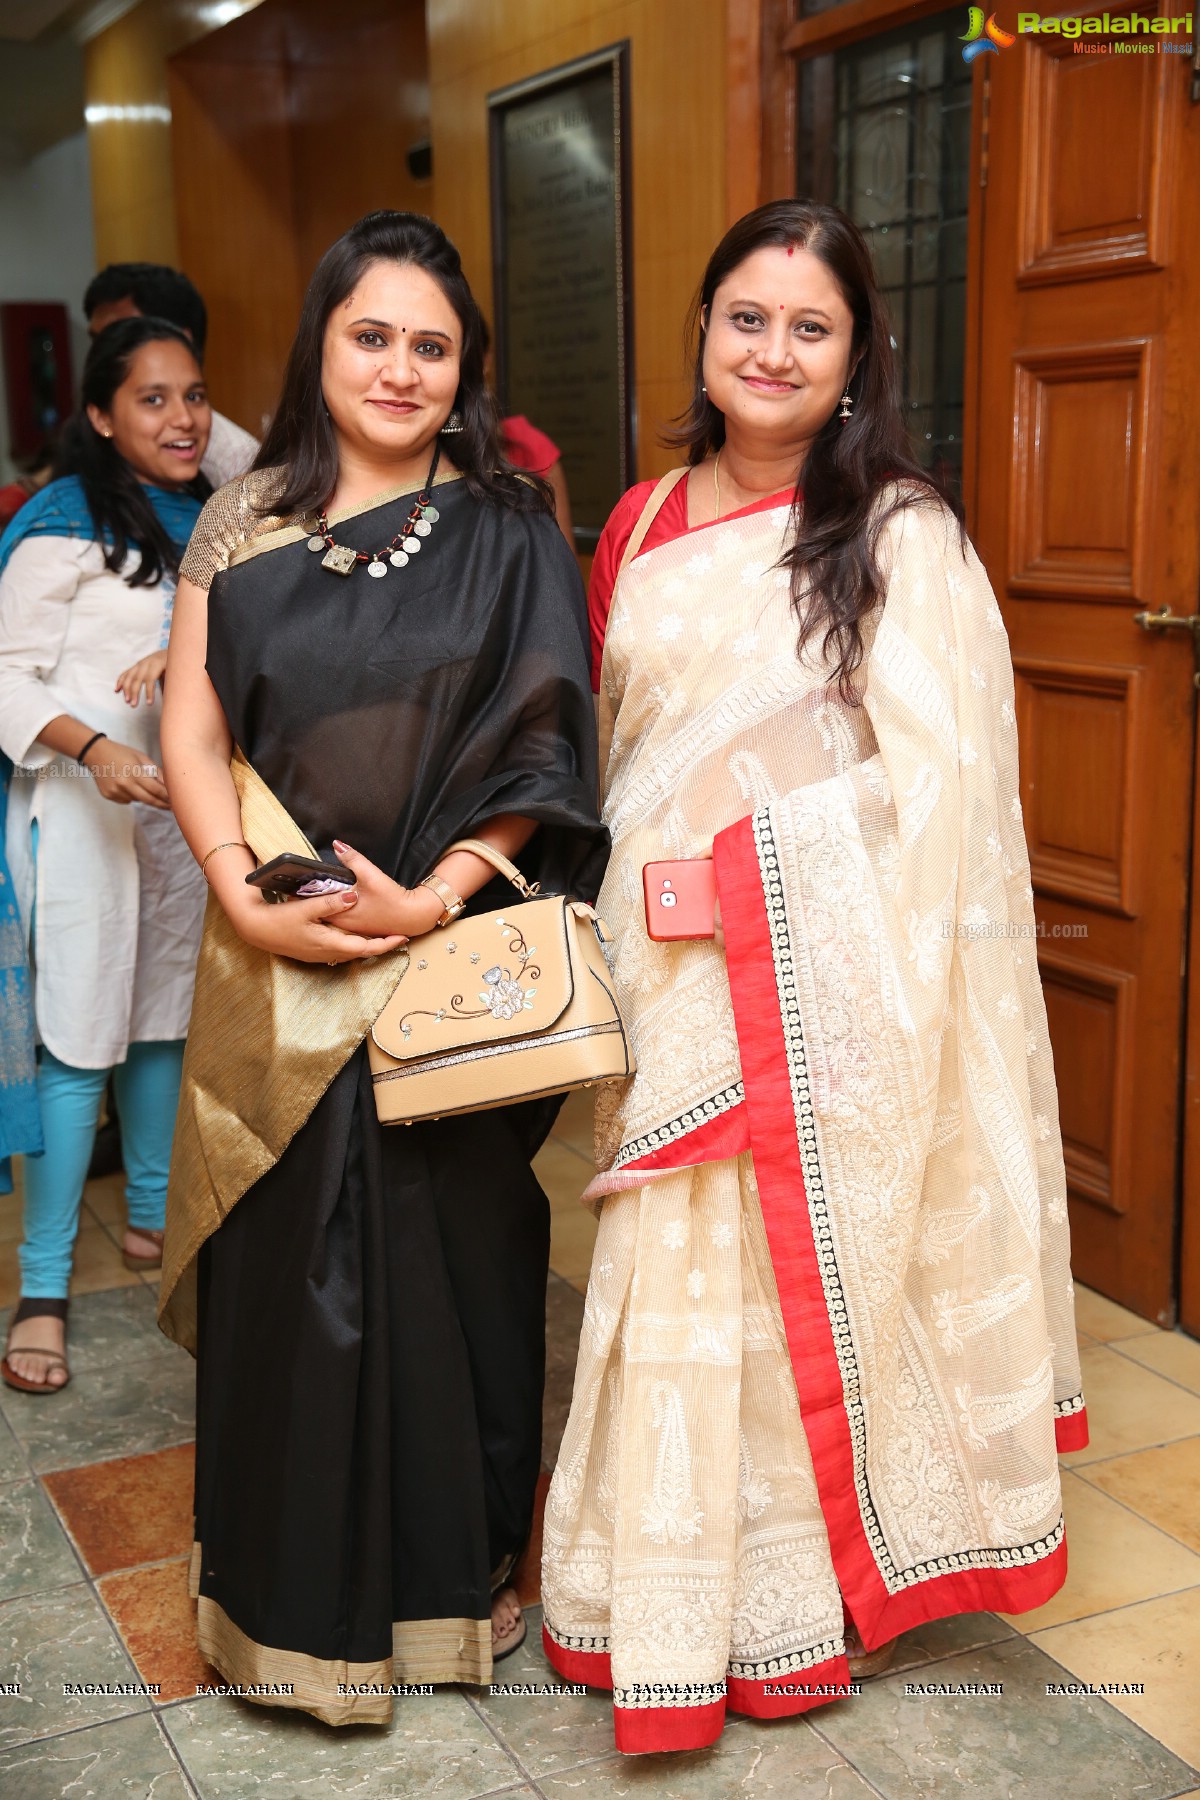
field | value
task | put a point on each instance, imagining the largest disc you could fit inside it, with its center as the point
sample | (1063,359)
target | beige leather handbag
(499,1007)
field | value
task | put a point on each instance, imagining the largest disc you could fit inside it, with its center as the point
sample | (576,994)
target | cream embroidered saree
(829,1336)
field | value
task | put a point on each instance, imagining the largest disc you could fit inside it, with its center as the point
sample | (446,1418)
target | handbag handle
(499,862)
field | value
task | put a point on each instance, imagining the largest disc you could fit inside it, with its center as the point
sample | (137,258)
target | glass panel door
(884,131)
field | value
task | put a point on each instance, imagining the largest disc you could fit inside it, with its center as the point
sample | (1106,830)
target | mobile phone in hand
(287,874)
(681,899)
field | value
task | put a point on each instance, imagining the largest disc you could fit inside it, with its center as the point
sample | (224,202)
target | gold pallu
(267,1037)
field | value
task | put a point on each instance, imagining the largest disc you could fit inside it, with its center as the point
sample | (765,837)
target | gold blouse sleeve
(229,519)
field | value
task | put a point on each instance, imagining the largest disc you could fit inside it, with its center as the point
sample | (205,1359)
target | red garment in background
(12,499)
(526,447)
(670,522)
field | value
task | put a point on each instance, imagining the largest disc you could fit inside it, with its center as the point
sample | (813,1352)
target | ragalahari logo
(984,36)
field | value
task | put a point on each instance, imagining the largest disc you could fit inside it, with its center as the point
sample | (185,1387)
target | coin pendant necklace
(422,518)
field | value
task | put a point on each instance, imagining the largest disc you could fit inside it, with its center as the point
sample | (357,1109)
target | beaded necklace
(422,518)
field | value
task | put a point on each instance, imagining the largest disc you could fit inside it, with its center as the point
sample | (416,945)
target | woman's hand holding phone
(383,904)
(321,930)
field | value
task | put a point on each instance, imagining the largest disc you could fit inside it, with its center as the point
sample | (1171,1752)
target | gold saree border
(283,535)
(267,1038)
(423,1650)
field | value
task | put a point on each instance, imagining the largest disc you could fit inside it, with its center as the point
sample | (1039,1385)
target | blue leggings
(147,1089)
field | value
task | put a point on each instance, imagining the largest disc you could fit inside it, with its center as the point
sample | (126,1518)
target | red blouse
(670,522)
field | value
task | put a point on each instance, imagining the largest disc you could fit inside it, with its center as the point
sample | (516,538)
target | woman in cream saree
(828,1348)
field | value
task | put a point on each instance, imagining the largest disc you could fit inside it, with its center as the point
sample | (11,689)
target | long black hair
(301,438)
(121,511)
(837,513)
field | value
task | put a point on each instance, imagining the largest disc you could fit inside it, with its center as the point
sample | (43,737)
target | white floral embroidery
(674,1235)
(976,916)
(955,1320)
(1008,714)
(670,1512)
(926,945)
(604,1267)
(994,845)
(699,564)
(722,1234)
(967,753)
(697,1281)
(752,573)
(978,679)
(746,645)
(1041,1125)
(1014,808)
(754,1490)
(1008,1006)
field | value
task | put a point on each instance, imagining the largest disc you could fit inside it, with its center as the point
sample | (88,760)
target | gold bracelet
(232,844)
(452,903)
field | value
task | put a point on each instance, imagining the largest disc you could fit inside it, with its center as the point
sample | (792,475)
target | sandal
(520,1632)
(141,1265)
(863,1662)
(35,1309)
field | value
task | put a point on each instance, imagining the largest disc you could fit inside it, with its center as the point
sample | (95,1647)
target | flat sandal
(21,1384)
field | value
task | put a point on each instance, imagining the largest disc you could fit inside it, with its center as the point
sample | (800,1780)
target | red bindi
(791,249)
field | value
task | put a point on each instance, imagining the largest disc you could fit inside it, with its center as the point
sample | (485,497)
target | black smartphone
(287,874)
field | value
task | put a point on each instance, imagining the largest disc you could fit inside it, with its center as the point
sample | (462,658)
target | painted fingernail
(338,845)
(350,899)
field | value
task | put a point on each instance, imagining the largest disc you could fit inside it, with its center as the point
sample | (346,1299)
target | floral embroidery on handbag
(502,996)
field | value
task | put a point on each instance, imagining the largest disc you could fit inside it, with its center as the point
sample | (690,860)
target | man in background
(125,290)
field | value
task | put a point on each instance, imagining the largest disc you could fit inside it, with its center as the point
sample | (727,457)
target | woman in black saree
(367,1306)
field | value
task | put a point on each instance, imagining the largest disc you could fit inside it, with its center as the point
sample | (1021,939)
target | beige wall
(294,119)
(677,130)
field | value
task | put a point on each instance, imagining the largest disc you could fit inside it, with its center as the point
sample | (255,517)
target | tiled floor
(95,1527)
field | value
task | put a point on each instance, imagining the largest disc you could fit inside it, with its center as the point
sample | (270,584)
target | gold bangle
(453,904)
(231,844)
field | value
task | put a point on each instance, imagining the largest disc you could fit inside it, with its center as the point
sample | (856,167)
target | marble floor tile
(1113,1559)
(156,1617)
(1160,1484)
(129,1758)
(572,1239)
(135,1509)
(1168,1353)
(1130,1407)
(115,1325)
(14,1464)
(436,1745)
(527,1576)
(783,1759)
(127,1409)
(105,1199)
(10,1218)
(563,1173)
(97,1263)
(10,1273)
(48,1641)
(575,1122)
(1104,1319)
(34,1552)
(1022,1745)
(1156,1643)
(948,1637)
(544,1731)
(564,1318)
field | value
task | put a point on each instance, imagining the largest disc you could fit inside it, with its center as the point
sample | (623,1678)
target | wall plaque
(560,250)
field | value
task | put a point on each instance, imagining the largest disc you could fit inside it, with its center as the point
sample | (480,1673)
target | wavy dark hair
(836,511)
(122,515)
(302,438)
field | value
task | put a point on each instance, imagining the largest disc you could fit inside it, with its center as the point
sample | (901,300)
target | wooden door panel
(1080,470)
(1096,199)
(1092,1013)
(1083,718)
(1088,510)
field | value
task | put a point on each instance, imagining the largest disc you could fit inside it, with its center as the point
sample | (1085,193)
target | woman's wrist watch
(453,904)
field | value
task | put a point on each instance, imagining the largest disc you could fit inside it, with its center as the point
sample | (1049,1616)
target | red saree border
(771,1110)
(646,1729)
(718,1140)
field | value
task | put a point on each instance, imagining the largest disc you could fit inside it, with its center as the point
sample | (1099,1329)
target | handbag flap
(481,980)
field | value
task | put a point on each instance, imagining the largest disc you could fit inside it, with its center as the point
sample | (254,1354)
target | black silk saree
(370,1313)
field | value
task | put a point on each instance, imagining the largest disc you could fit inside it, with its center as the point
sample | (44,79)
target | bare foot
(39,1333)
(506,1618)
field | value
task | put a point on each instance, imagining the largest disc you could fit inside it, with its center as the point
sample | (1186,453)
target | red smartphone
(681,899)
(287,874)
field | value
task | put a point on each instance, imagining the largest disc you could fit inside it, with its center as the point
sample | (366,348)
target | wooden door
(1086,509)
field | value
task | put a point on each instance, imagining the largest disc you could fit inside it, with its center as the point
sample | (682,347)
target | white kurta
(116,900)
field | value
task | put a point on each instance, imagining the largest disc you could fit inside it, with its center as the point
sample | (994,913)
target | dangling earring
(847,406)
(453,423)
